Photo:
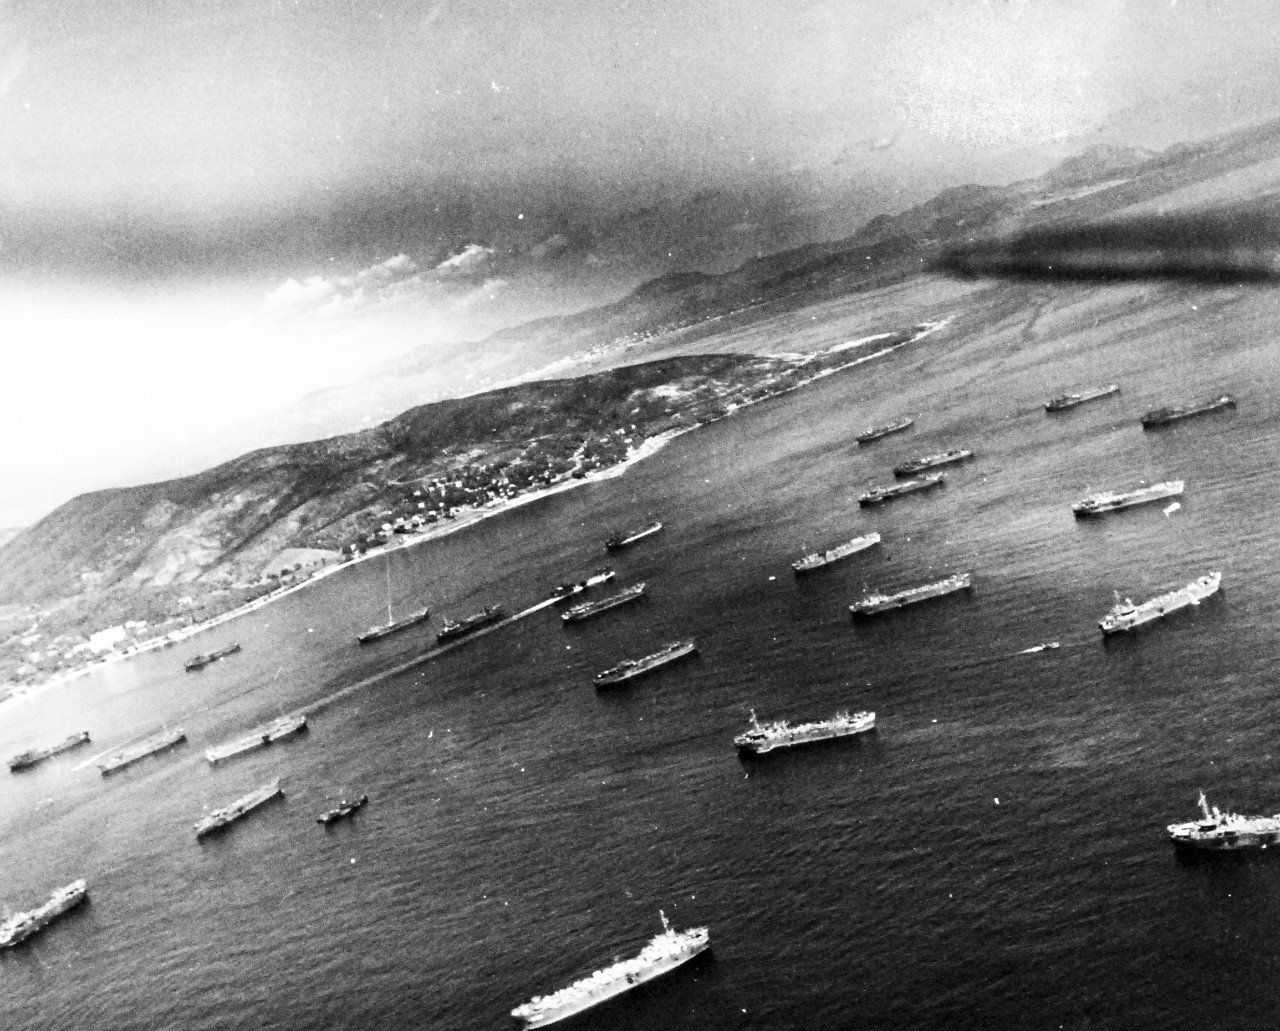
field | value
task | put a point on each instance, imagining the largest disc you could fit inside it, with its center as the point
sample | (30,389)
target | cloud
(294,294)
(549,247)
(12,65)
(466,260)
(321,296)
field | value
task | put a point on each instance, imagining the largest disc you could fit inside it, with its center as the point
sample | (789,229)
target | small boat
(342,810)
(625,540)
(200,661)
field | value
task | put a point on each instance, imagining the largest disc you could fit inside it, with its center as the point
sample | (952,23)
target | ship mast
(388,588)
(1204,806)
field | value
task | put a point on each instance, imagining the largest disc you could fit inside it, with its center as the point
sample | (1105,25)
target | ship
(1065,401)
(569,589)
(33,756)
(1165,416)
(629,669)
(1225,832)
(876,432)
(587,609)
(824,558)
(21,926)
(127,756)
(917,465)
(200,661)
(342,810)
(1125,615)
(876,495)
(625,540)
(237,810)
(1112,501)
(664,953)
(376,633)
(880,602)
(765,737)
(259,737)
(452,629)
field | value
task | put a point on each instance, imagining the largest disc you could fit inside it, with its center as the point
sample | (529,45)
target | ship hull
(618,543)
(802,737)
(468,626)
(1239,842)
(243,807)
(902,601)
(1085,510)
(881,495)
(1068,401)
(377,633)
(589,610)
(908,469)
(1165,605)
(123,760)
(200,661)
(46,915)
(30,759)
(644,666)
(872,435)
(821,560)
(1168,416)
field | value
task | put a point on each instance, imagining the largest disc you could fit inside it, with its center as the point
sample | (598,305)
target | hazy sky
(208,207)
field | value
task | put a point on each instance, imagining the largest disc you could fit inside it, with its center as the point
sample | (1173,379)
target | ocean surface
(994,855)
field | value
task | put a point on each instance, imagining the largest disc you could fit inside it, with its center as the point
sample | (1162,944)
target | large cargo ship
(1111,501)
(237,810)
(200,661)
(376,633)
(21,926)
(918,465)
(452,629)
(765,737)
(876,495)
(624,540)
(33,756)
(130,754)
(569,589)
(879,602)
(1165,416)
(824,558)
(629,669)
(587,609)
(259,737)
(664,953)
(1065,401)
(1225,832)
(876,432)
(1125,615)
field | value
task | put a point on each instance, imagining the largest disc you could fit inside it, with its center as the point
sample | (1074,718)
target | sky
(209,209)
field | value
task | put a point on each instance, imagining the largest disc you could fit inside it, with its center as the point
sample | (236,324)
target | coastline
(648,447)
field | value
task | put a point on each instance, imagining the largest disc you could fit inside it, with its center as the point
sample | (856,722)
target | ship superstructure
(587,609)
(1224,832)
(880,602)
(876,432)
(1165,416)
(664,953)
(818,559)
(1125,615)
(200,661)
(1112,501)
(33,756)
(259,737)
(876,495)
(629,669)
(21,926)
(237,810)
(1065,401)
(625,540)
(130,754)
(452,629)
(917,465)
(765,737)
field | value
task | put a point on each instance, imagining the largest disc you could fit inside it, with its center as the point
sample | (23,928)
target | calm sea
(994,855)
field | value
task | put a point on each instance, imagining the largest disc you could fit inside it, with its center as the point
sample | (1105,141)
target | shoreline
(647,448)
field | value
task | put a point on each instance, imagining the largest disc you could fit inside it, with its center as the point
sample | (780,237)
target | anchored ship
(342,810)
(21,926)
(876,432)
(259,737)
(917,465)
(765,737)
(878,494)
(1165,416)
(1111,501)
(200,661)
(824,558)
(587,609)
(131,754)
(237,810)
(1065,401)
(451,629)
(569,589)
(664,953)
(1125,615)
(376,633)
(623,540)
(629,669)
(1225,832)
(32,756)
(880,602)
